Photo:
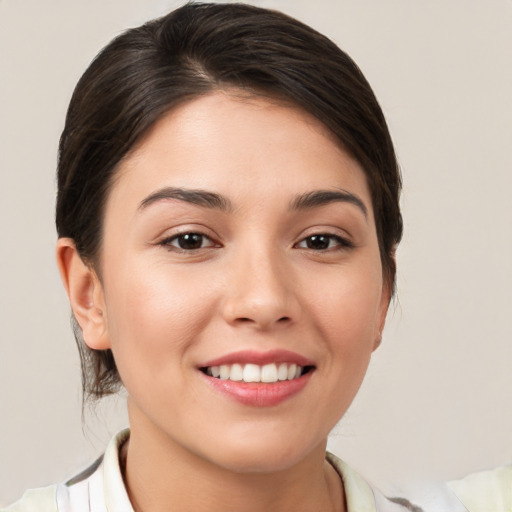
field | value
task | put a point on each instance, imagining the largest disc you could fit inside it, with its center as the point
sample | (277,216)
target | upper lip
(259,358)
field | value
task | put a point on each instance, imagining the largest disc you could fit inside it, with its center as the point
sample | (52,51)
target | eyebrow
(197,197)
(216,201)
(323,197)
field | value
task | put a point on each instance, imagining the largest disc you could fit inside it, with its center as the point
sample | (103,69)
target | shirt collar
(359,495)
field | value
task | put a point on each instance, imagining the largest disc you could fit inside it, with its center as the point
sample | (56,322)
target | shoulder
(91,490)
(486,490)
(36,500)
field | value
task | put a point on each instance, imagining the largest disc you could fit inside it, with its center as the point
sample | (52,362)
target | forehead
(227,141)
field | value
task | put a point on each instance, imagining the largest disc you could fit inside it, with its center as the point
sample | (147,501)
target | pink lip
(258,394)
(259,358)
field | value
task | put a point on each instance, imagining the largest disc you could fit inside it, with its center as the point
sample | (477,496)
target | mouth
(259,379)
(253,373)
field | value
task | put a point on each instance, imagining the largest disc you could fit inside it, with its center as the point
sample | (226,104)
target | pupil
(191,241)
(318,242)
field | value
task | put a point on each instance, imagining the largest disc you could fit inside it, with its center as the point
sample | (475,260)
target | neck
(160,475)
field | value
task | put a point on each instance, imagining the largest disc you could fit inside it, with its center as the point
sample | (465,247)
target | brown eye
(188,241)
(318,242)
(323,242)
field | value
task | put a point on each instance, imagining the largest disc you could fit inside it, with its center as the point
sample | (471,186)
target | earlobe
(377,341)
(85,294)
(383,311)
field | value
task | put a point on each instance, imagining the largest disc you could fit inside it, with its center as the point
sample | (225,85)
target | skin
(254,284)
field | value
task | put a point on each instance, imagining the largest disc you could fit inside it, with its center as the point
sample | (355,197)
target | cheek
(151,312)
(348,307)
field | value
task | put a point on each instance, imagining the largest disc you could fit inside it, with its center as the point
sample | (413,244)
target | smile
(258,379)
(268,373)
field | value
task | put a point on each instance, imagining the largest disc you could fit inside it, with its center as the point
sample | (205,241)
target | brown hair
(193,51)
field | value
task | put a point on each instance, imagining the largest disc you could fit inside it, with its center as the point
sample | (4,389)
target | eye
(324,242)
(188,241)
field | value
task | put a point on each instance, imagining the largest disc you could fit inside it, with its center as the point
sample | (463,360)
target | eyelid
(344,241)
(167,239)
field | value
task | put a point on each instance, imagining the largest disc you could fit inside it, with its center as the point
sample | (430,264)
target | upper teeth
(254,373)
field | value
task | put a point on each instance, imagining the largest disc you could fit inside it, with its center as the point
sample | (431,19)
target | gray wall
(437,399)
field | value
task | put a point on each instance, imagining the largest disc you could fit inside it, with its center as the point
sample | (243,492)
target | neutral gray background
(437,399)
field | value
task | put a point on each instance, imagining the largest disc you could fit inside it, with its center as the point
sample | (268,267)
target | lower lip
(259,394)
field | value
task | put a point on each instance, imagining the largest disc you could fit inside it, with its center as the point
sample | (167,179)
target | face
(242,291)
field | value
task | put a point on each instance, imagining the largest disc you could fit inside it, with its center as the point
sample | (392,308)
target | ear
(382,312)
(85,293)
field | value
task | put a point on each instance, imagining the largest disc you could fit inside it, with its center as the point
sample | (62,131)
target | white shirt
(100,488)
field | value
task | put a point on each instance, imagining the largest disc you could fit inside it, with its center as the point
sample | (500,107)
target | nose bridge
(260,288)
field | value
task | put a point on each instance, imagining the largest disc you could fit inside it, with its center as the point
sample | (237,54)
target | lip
(260,358)
(257,394)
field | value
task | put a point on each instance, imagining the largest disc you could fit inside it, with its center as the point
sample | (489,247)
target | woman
(227,217)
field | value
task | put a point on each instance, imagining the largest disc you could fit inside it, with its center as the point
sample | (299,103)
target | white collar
(102,489)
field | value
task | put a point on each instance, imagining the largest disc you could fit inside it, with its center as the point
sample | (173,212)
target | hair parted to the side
(194,50)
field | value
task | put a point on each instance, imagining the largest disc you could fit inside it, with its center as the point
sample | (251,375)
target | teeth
(269,373)
(282,372)
(254,373)
(236,372)
(224,372)
(292,369)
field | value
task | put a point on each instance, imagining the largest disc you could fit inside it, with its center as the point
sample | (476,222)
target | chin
(269,455)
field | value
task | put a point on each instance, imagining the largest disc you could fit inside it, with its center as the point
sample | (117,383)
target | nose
(260,291)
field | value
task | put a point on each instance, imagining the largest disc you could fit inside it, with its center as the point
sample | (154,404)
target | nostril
(247,320)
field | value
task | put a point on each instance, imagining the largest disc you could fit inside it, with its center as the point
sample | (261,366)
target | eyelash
(168,242)
(335,242)
(340,242)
